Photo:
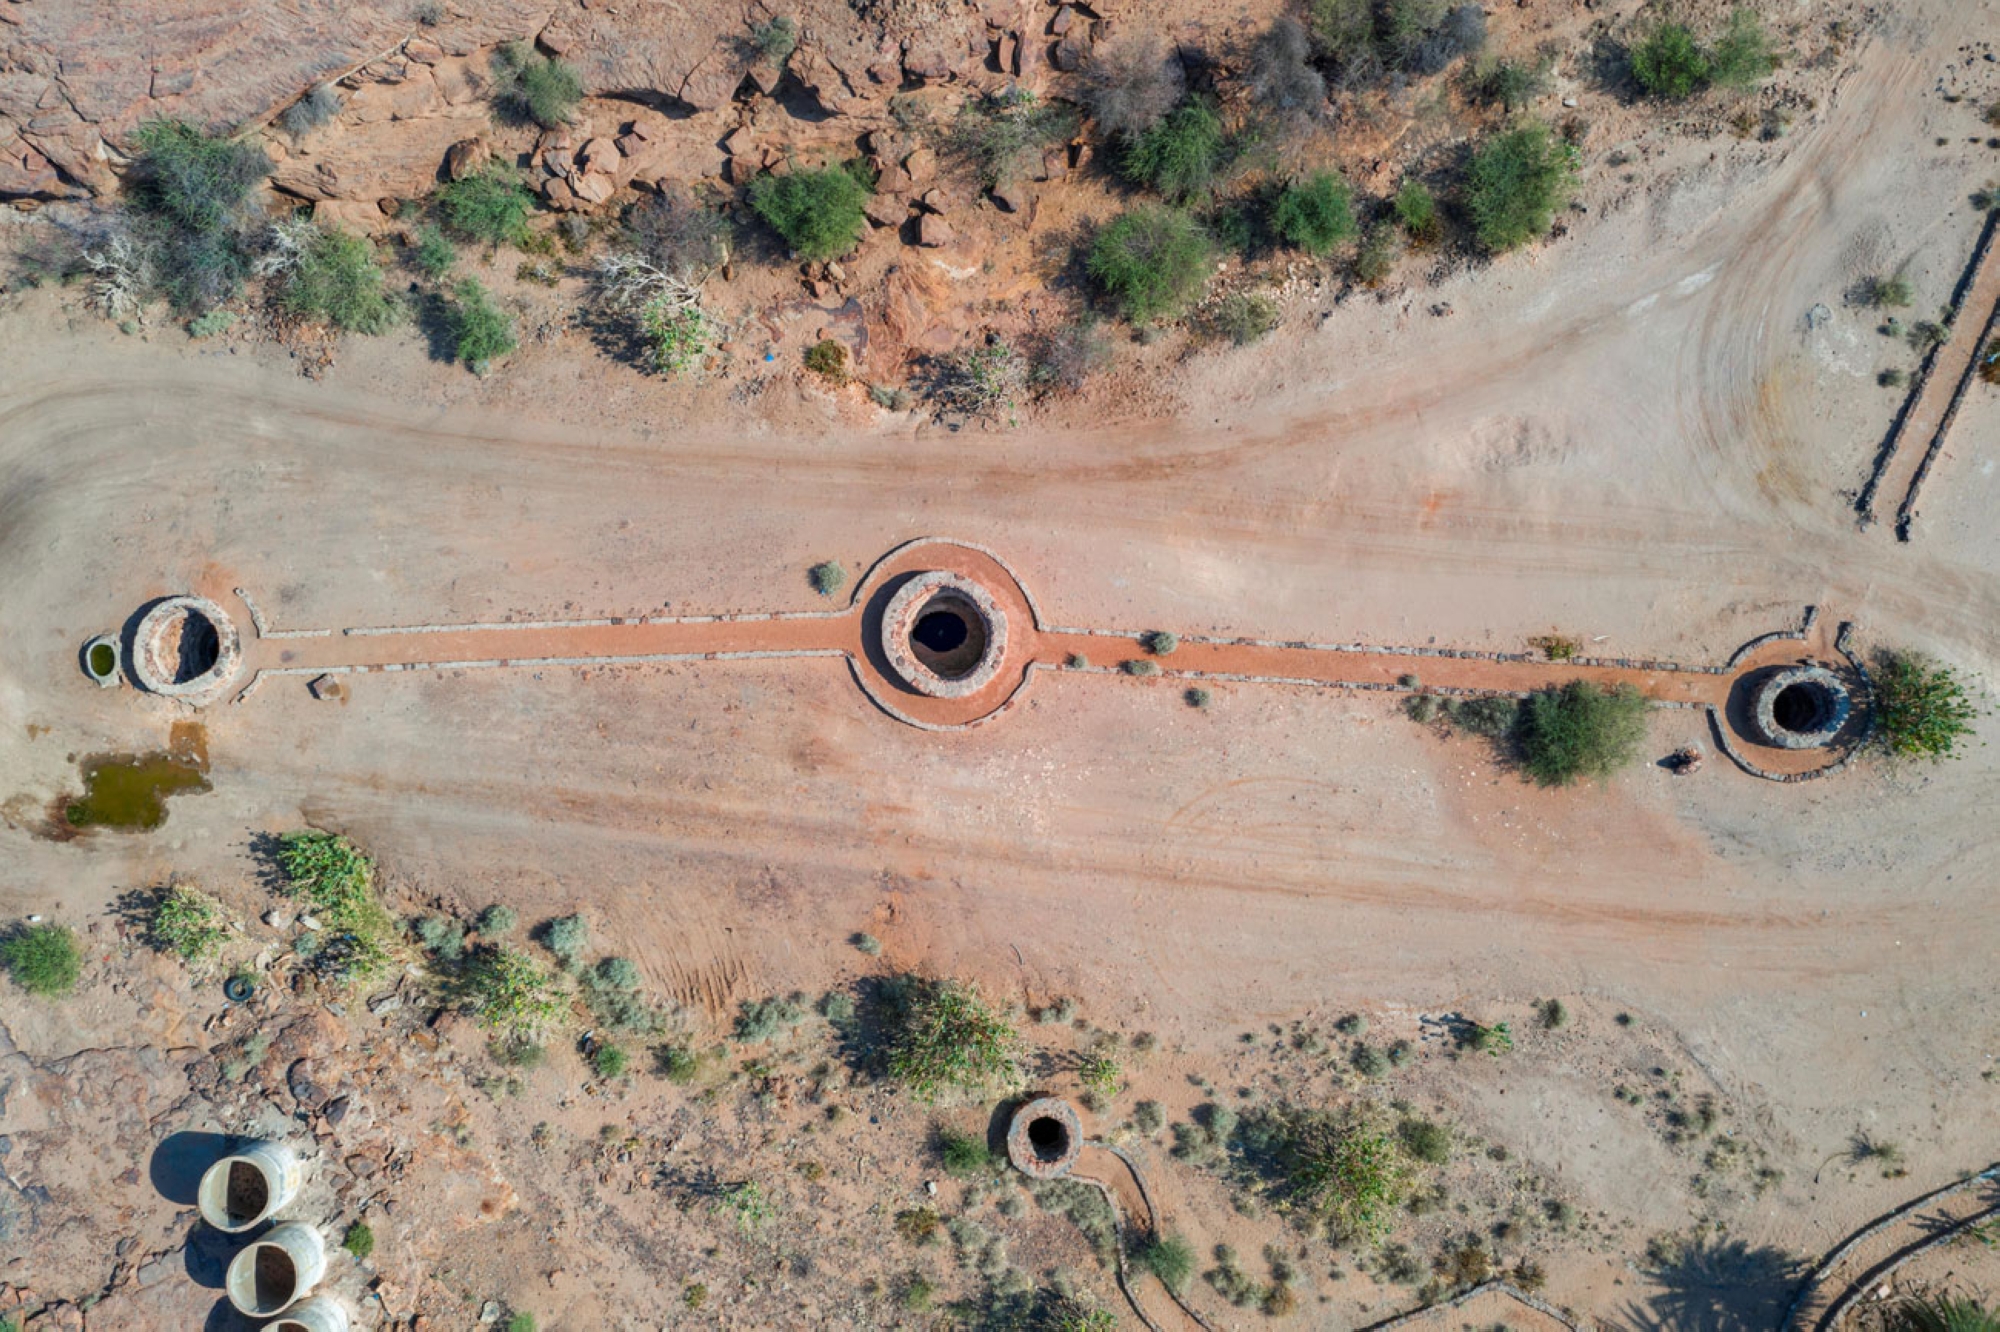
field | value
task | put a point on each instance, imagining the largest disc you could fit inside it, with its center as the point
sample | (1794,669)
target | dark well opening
(277,1279)
(190,643)
(948,636)
(1799,707)
(1049,1138)
(248,1194)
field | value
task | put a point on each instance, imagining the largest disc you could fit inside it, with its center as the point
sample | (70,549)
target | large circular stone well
(186,648)
(944,635)
(1044,1137)
(1803,707)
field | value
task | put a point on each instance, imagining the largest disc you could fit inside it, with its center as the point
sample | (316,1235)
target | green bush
(359,1239)
(1580,730)
(337,281)
(1168,1257)
(1669,63)
(827,358)
(1243,317)
(1515,184)
(1140,667)
(945,1037)
(1315,214)
(480,330)
(1159,642)
(1417,211)
(497,919)
(337,883)
(188,923)
(1151,261)
(510,992)
(1937,1311)
(609,1060)
(767,1019)
(189,194)
(434,253)
(1921,709)
(1511,83)
(212,323)
(1742,55)
(566,937)
(963,1154)
(1889,290)
(676,1063)
(819,213)
(536,87)
(43,959)
(1339,1170)
(676,335)
(827,577)
(490,205)
(1181,154)
(520,1321)
(776,40)
(1426,1140)
(997,135)
(1492,717)
(443,936)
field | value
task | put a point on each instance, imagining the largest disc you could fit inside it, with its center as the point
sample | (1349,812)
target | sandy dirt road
(1631,437)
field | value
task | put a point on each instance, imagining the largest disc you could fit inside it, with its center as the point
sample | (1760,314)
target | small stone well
(101,660)
(1044,1137)
(944,635)
(1802,707)
(186,648)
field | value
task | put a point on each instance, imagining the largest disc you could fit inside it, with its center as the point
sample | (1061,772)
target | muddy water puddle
(129,792)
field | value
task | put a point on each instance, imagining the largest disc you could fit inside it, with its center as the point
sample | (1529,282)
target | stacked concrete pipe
(318,1314)
(272,1273)
(276,1272)
(249,1186)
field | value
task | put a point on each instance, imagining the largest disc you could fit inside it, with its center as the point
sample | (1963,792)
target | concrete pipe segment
(1044,1137)
(249,1185)
(321,1313)
(186,648)
(274,1272)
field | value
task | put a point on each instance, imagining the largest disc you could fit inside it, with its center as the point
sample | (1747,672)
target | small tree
(819,213)
(947,1038)
(1922,709)
(1181,155)
(1517,181)
(1151,261)
(480,330)
(43,959)
(985,378)
(331,277)
(536,87)
(1315,214)
(1417,211)
(1243,317)
(1132,83)
(1670,64)
(1343,30)
(1742,56)
(188,196)
(1580,730)
(490,205)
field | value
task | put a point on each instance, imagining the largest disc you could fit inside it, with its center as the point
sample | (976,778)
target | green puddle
(128,792)
(102,659)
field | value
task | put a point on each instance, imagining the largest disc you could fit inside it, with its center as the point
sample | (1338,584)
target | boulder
(921,166)
(602,154)
(466,158)
(594,187)
(933,231)
(559,195)
(886,210)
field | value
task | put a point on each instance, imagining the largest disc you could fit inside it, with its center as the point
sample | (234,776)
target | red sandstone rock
(933,231)
(466,157)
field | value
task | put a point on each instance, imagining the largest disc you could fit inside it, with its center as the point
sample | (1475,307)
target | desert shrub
(517,1052)
(766,1019)
(1510,83)
(520,1321)
(818,213)
(480,330)
(1417,211)
(188,923)
(617,972)
(1181,155)
(44,960)
(337,883)
(1376,259)
(827,359)
(1461,32)
(1403,24)
(775,40)
(1926,334)
(334,279)
(1339,1170)
(1669,63)
(1343,30)
(1495,1040)
(1893,378)
(838,1008)
(1281,79)
(677,233)
(827,577)
(945,1037)
(1067,358)
(443,936)
(609,1061)
(1401,1054)
(1492,716)
(1987,198)
(988,377)
(1741,57)
(1421,708)
(497,919)
(1149,1116)
(993,136)
(1892,289)
(434,253)
(919,1226)
(1151,261)
(1516,182)
(1140,667)
(1937,1311)
(510,992)
(1922,709)
(534,86)
(1314,214)
(1553,1013)
(490,205)
(676,1063)
(1242,317)
(189,194)
(867,944)
(1989,362)
(1159,642)
(1168,1257)
(1579,730)
(962,1154)
(430,13)
(311,111)
(566,937)
(674,335)
(1426,1140)
(1198,697)
(1132,83)
(1369,1062)
(359,1239)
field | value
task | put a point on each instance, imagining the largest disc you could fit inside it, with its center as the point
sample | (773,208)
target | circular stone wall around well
(1044,1137)
(1803,707)
(186,648)
(944,635)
